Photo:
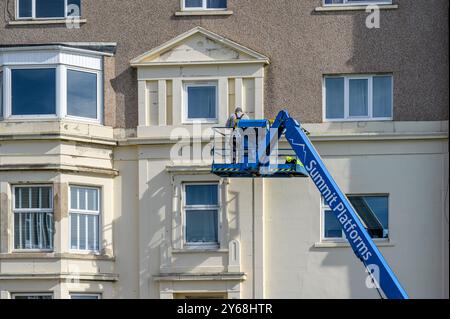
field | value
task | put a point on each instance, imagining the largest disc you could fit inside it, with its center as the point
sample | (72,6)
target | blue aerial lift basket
(229,162)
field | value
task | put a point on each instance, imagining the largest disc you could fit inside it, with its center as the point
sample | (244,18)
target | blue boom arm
(358,237)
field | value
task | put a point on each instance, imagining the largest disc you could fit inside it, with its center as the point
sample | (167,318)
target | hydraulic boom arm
(358,237)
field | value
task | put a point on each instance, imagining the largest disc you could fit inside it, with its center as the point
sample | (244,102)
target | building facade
(106,116)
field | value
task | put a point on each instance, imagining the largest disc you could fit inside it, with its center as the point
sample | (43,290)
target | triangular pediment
(199,46)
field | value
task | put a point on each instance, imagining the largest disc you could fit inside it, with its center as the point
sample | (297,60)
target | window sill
(203,13)
(46,22)
(338,244)
(354,8)
(200,251)
(51,255)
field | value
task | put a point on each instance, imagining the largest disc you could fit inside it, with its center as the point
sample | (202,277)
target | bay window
(51,92)
(48,9)
(33,218)
(204,4)
(201,214)
(358,97)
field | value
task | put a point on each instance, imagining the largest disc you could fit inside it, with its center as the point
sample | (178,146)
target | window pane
(1,94)
(73,231)
(217,4)
(202,195)
(49,8)
(82,232)
(201,226)
(373,210)
(74,8)
(382,96)
(46,197)
(33,91)
(92,199)
(33,231)
(333,228)
(359,97)
(35,197)
(333,1)
(25,9)
(334,98)
(201,102)
(73,198)
(82,198)
(82,94)
(25,193)
(92,221)
(193,3)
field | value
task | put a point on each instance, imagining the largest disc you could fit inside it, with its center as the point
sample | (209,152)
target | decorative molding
(62,256)
(60,168)
(254,57)
(200,277)
(61,276)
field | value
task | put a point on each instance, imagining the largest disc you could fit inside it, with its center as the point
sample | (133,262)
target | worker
(232,122)
(293,160)
(234,119)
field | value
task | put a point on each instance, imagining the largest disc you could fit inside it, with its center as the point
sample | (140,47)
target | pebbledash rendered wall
(302,43)
(270,242)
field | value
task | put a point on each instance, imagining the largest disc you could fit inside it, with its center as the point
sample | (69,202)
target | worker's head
(238,110)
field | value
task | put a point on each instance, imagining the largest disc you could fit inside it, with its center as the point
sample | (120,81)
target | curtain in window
(201,102)
(359,97)
(334,98)
(33,231)
(201,226)
(382,96)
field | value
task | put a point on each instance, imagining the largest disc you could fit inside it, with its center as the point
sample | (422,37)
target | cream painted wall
(276,222)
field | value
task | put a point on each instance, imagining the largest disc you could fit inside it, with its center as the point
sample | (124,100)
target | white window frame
(61,93)
(33,12)
(185,207)
(188,84)
(97,295)
(357,3)
(203,7)
(2,85)
(31,294)
(347,117)
(324,207)
(86,212)
(9,85)
(99,95)
(31,210)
